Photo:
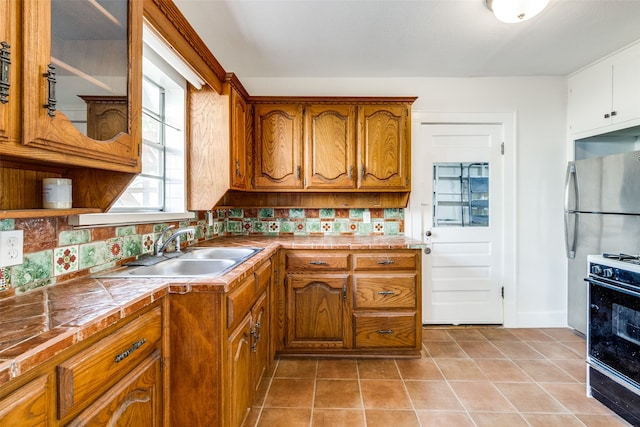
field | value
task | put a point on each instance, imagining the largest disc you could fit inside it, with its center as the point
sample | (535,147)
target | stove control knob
(607,272)
(596,269)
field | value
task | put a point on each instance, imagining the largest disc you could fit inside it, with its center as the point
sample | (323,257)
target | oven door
(614,329)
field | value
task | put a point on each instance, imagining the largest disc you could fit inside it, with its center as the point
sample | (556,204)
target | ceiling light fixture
(513,11)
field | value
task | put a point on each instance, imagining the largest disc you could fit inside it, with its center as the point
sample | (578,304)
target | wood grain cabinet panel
(386,330)
(136,400)
(384,147)
(318,310)
(278,147)
(376,291)
(240,122)
(238,364)
(89,373)
(27,406)
(330,146)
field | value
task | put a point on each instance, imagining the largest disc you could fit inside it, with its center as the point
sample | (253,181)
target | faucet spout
(160,246)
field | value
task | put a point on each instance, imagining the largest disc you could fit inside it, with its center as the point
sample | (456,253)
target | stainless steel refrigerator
(602,215)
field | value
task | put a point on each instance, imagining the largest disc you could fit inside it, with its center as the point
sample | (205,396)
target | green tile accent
(132,245)
(7,224)
(287,226)
(93,254)
(355,213)
(36,269)
(266,213)
(74,237)
(327,213)
(234,226)
(341,226)
(259,226)
(391,228)
(364,229)
(236,213)
(313,225)
(296,213)
(394,213)
(125,231)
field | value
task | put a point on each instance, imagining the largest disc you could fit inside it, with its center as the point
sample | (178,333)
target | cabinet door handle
(318,262)
(384,331)
(237,167)
(386,293)
(298,168)
(362,172)
(351,172)
(51,100)
(5,61)
(385,262)
(136,345)
(344,293)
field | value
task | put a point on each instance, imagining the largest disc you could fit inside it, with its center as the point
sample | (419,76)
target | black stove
(613,335)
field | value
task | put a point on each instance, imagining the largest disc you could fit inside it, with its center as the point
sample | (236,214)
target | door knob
(427,251)
(428,233)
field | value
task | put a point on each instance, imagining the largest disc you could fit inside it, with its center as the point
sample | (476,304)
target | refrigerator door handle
(570,240)
(571,183)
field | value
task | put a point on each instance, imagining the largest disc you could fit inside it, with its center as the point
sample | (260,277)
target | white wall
(540,105)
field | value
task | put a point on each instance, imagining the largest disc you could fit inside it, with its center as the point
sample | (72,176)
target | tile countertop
(39,324)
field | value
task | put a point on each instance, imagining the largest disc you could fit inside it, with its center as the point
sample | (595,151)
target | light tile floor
(467,376)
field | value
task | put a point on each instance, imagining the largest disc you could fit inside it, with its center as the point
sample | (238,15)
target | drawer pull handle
(51,80)
(386,292)
(385,262)
(136,345)
(5,62)
(318,262)
(385,331)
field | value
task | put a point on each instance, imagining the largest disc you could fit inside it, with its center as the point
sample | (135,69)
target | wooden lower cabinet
(220,348)
(317,310)
(136,400)
(27,406)
(357,302)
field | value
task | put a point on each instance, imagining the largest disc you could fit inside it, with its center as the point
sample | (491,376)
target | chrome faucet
(160,245)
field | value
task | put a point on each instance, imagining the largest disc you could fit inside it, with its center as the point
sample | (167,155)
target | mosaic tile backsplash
(55,251)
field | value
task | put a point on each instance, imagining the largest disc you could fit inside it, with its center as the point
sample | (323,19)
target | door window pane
(461,194)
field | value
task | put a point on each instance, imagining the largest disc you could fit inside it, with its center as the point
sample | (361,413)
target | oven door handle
(612,286)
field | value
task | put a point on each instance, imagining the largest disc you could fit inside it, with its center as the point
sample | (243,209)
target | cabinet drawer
(240,300)
(90,372)
(385,330)
(384,261)
(378,291)
(317,261)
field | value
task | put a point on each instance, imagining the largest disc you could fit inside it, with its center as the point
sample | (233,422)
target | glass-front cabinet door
(82,81)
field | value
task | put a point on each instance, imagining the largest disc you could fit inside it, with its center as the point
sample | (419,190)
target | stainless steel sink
(196,262)
(220,253)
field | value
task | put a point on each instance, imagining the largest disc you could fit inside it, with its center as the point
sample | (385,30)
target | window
(160,186)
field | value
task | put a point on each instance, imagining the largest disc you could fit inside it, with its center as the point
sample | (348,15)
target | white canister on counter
(56,193)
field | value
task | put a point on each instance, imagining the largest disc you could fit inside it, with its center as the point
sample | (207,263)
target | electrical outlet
(209,218)
(11,243)
(366,217)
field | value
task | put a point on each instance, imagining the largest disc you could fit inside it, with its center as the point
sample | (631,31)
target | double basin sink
(195,262)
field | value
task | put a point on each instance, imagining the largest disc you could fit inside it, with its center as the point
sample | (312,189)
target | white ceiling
(407,38)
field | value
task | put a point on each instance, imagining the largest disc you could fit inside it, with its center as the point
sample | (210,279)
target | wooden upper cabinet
(239,133)
(72,52)
(278,147)
(384,147)
(330,146)
(9,97)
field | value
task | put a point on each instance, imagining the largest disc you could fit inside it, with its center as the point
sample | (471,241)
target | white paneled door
(460,198)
